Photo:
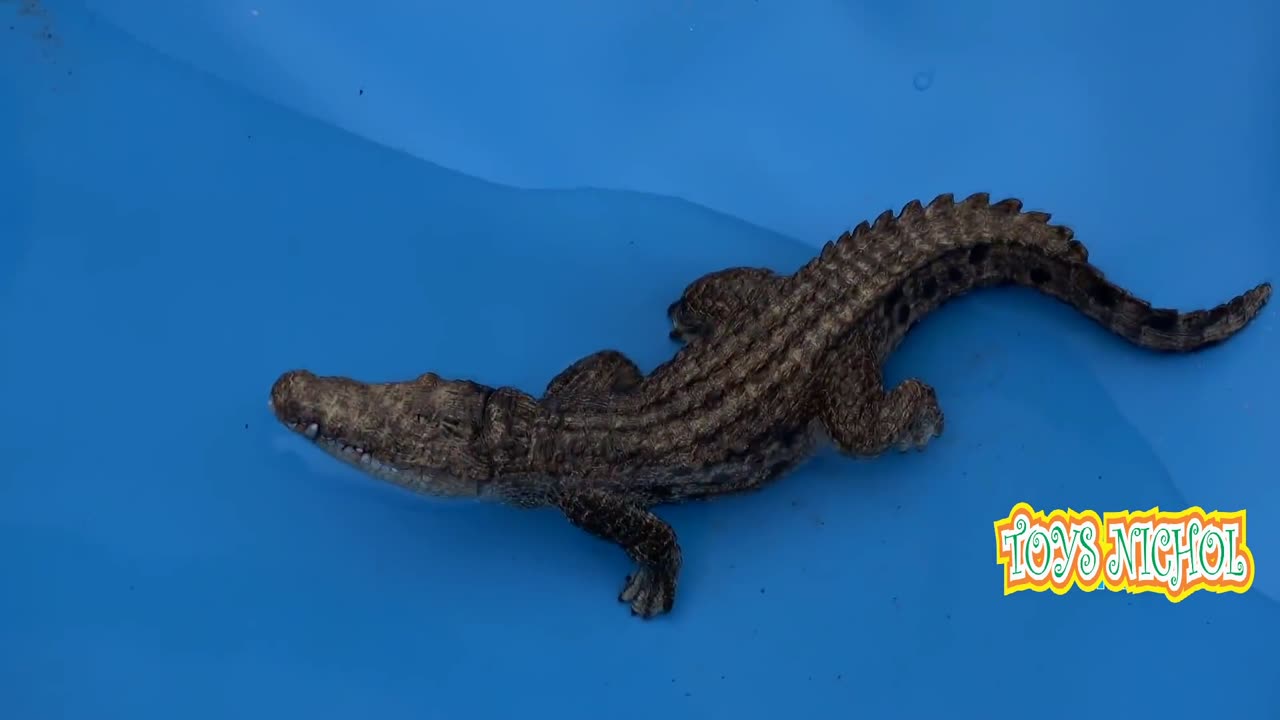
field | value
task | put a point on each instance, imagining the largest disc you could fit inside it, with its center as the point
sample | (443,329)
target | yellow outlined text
(1171,553)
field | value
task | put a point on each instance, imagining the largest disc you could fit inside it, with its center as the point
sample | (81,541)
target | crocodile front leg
(647,539)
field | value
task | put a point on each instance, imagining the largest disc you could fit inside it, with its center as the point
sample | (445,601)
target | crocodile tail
(913,261)
(1084,287)
(1071,278)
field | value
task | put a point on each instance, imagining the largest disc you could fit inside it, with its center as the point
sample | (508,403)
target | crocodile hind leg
(647,539)
(708,302)
(864,419)
(590,381)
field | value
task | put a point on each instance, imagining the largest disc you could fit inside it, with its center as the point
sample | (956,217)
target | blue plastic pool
(197,196)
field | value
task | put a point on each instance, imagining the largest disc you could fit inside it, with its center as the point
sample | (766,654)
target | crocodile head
(423,434)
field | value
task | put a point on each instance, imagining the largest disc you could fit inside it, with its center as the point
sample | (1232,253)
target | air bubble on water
(923,80)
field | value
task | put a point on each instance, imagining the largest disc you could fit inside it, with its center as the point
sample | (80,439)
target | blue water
(196,196)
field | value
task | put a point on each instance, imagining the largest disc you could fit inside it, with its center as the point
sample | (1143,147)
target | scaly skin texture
(772,365)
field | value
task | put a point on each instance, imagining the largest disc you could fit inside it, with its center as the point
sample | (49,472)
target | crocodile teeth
(312,430)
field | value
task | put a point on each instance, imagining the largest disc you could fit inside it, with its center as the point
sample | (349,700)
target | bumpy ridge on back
(847,278)
(973,220)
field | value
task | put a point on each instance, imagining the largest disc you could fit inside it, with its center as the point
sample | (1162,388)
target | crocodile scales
(772,366)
